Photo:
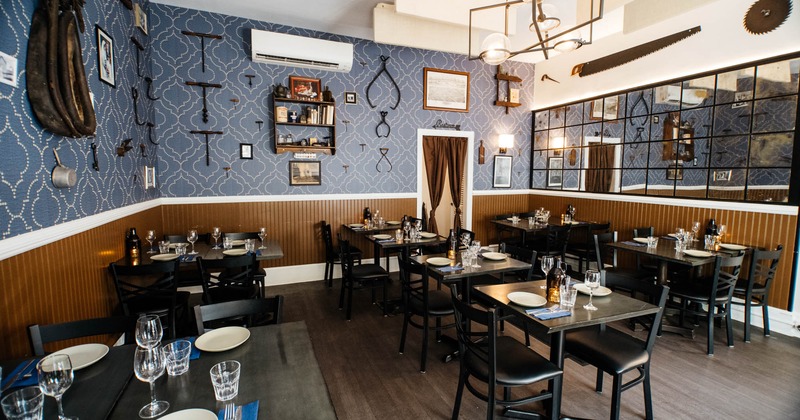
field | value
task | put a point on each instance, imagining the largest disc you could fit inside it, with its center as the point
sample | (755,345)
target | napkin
(258,252)
(187,258)
(669,238)
(381,241)
(450,268)
(548,313)
(634,243)
(195,351)
(20,372)
(249,411)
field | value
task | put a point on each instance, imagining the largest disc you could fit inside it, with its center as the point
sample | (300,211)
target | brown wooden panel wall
(485,207)
(63,281)
(755,229)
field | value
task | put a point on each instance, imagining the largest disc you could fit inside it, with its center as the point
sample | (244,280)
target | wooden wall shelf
(507,80)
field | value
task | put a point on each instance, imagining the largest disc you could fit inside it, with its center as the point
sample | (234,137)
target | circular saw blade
(766,15)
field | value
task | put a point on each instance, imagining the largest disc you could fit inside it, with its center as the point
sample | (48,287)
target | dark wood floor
(368,379)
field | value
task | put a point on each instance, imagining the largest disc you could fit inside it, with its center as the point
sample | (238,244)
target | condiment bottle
(453,249)
(133,247)
(554,278)
(711,228)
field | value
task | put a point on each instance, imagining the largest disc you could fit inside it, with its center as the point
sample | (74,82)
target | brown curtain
(457,151)
(600,172)
(435,151)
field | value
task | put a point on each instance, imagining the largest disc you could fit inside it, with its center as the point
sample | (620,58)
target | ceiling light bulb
(546,20)
(495,49)
(570,42)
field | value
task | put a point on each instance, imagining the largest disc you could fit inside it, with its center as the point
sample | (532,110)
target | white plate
(355,225)
(697,253)
(527,299)
(428,235)
(222,339)
(85,354)
(640,240)
(392,222)
(174,244)
(237,242)
(600,291)
(191,414)
(164,257)
(382,236)
(440,261)
(674,235)
(494,256)
(733,247)
(234,252)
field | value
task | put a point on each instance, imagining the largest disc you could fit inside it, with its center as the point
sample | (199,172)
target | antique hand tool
(383,122)
(202,43)
(384,59)
(250,79)
(206,133)
(143,149)
(204,86)
(766,15)
(139,49)
(95,164)
(259,122)
(135,94)
(124,147)
(149,81)
(384,156)
(150,133)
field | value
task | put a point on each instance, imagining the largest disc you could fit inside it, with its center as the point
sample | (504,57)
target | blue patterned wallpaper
(182,168)
(28,200)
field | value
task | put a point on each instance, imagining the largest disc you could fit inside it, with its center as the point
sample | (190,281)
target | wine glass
(148,331)
(547,265)
(55,377)
(151,236)
(695,229)
(216,232)
(592,281)
(474,249)
(148,365)
(262,233)
(721,231)
(192,238)
(406,227)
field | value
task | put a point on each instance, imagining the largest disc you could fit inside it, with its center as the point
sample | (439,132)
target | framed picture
(105,57)
(608,110)
(305,89)
(245,151)
(675,173)
(722,176)
(502,171)
(350,98)
(445,90)
(305,172)
(555,176)
(149,177)
(140,18)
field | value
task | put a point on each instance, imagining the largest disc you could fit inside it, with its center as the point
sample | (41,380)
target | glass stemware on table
(151,237)
(262,234)
(148,361)
(695,230)
(225,379)
(148,331)
(216,233)
(192,238)
(407,228)
(474,248)
(592,281)
(547,264)
(55,377)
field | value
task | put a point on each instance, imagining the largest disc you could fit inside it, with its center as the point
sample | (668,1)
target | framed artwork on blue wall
(245,150)
(105,57)
(445,90)
(502,171)
(305,172)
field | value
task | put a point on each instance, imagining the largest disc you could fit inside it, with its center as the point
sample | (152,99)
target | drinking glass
(262,233)
(250,245)
(592,281)
(216,233)
(148,365)
(418,225)
(567,295)
(24,404)
(474,249)
(406,227)
(55,377)
(176,357)
(148,331)
(225,379)
(151,236)
(163,247)
(227,242)
(547,265)
(192,238)
(695,229)
(721,231)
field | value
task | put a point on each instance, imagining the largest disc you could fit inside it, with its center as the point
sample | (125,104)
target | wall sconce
(557,144)
(505,142)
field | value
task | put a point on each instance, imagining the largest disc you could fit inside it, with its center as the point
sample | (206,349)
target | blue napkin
(195,351)
(249,411)
(21,380)
(187,258)
(547,313)
(669,238)
(634,243)
(258,252)
(450,268)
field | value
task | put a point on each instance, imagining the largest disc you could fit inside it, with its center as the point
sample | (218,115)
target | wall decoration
(722,176)
(675,173)
(8,69)
(384,156)
(350,98)
(305,89)
(203,37)
(149,177)
(305,172)
(445,90)
(140,18)
(608,110)
(205,100)
(555,176)
(245,150)
(105,57)
(502,172)
(384,59)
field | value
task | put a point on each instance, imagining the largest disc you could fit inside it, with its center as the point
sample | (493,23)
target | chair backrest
(129,285)
(346,258)
(524,254)
(605,256)
(414,280)
(643,232)
(655,294)
(462,231)
(327,237)
(724,281)
(201,238)
(231,272)
(502,216)
(763,265)
(40,335)
(251,312)
(557,239)
(476,343)
(240,235)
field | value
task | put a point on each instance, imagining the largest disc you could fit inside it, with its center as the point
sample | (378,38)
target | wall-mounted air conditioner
(298,51)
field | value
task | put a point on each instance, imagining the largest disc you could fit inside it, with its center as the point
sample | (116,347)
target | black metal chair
(644,263)
(370,276)
(581,246)
(40,335)
(188,275)
(259,273)
(523,254)
(229,278)
(332,253)
(151,289)
(498,361)
(714,292)
(503,229)
(246,313)
(554,242)
(606,260)
(615,352)
(420,301)
(754,290)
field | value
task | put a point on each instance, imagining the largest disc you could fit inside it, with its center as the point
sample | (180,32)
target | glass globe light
(495,49)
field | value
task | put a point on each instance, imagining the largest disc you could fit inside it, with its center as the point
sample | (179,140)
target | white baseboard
(780,321)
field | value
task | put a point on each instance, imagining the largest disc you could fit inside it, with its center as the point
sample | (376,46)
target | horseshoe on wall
(384,59)
(383,122)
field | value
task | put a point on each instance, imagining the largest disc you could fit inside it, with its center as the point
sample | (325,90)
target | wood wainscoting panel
(486,207)
(64,281)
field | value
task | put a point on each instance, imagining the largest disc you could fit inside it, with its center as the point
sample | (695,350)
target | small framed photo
(608,110)
(350,98)
(555,176)
(502,171)
(305,172)
(107,71)
(149,177)
(675,173)
(305,89)
(140,18)
(245,151)
(445,90)
(722,176)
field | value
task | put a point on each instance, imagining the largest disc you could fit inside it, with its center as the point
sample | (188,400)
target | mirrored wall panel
(724,136)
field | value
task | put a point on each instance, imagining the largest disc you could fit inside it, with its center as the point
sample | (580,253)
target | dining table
(278,369)
(524,228)
(610,308)
(272,251)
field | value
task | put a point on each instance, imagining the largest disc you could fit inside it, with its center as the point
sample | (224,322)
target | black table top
(665,251)
(385,244)
(206,251)
(486,267)
(527,227)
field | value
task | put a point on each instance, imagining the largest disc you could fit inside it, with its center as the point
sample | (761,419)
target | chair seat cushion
(611,351)
(516,364)
(156,304)
(695,290)
(741,287)
(368,271)
(229,293)
(439,304)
